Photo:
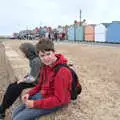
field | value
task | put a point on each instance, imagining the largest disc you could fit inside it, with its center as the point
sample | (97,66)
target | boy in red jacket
(53,90)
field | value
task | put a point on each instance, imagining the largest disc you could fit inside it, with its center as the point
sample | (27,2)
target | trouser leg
(31,113)
(12,93)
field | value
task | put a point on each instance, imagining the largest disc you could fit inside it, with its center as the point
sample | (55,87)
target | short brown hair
(44,45)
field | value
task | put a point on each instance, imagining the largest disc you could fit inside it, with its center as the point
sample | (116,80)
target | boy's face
(47,57)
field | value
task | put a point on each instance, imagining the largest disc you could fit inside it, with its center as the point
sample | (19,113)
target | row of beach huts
(104,32)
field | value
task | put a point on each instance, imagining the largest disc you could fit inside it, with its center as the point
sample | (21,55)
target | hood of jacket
(60,60)
(29,50)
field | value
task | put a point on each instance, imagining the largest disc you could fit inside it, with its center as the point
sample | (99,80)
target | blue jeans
(24,113)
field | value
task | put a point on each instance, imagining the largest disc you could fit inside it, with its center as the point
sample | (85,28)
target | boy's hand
(25,98)
(29,103)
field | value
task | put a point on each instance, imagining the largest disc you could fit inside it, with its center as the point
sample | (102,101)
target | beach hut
(89,32)
(79,33)
(100,32)
(113,32)
(70,33)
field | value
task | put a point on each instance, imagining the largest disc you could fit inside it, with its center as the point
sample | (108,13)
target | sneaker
(2,116)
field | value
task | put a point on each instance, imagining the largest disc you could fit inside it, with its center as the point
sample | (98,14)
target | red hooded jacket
(55,88)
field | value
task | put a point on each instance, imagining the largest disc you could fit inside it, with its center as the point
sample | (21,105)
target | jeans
(24,113)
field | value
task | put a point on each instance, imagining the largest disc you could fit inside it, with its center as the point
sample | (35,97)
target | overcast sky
(16,15)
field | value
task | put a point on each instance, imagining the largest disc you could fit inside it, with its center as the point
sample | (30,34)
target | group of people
(48,93)
(52,35)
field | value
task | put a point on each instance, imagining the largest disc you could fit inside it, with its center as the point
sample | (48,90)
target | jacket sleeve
(61,96)
(34,90)
(37,88)
(35,68)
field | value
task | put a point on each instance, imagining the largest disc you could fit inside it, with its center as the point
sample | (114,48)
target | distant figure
(55,36)
(63,36)
(49,36)
(15,89)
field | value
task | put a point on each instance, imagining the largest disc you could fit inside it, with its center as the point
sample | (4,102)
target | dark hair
(44,45)
(29,50)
